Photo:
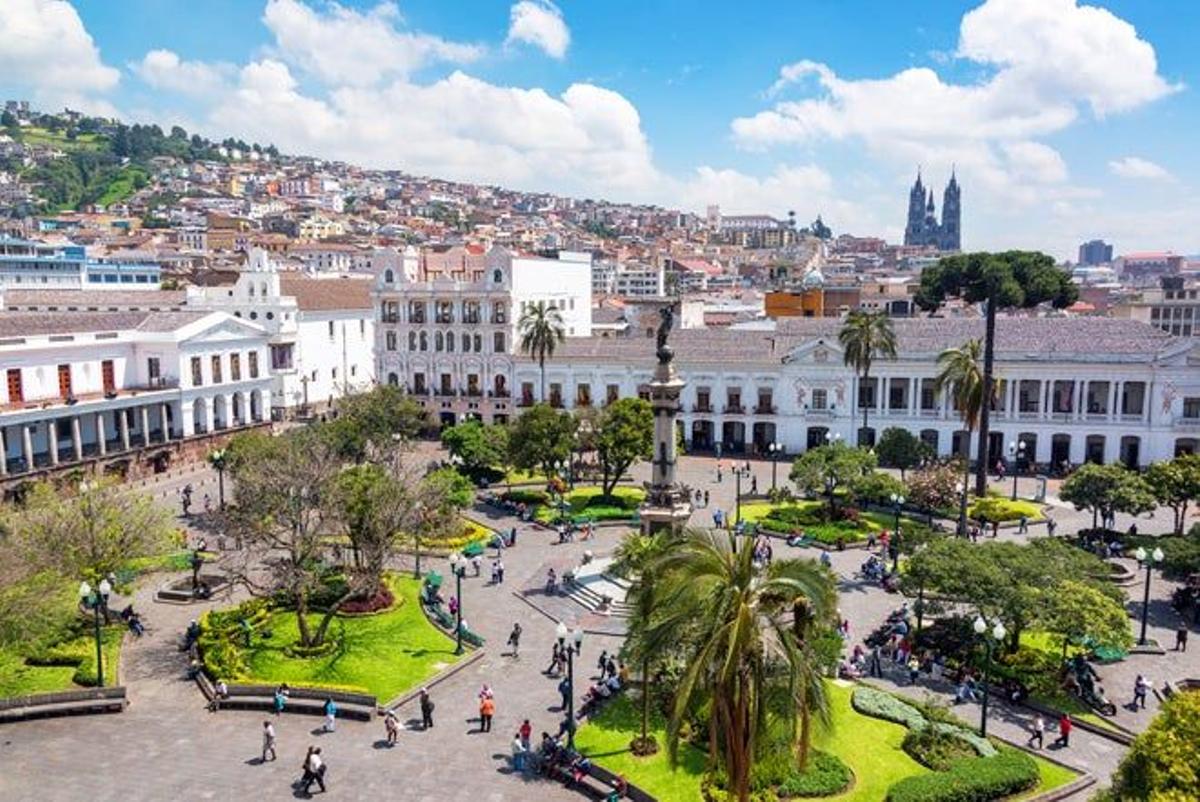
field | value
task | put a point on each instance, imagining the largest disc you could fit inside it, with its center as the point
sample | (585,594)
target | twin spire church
(923,227)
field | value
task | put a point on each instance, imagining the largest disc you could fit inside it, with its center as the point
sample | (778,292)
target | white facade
(32,265)
(91,385)
(641,282)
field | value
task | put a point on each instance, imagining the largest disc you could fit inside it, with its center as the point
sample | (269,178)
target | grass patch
(35,135)
(129,180)
(590,502)
(385,654)
(66,666)
(993,508)
(605,739)
(791,517)
(1050,776)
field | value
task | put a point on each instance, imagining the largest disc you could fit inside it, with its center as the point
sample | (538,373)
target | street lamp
(897,503)
(738,473)
(458,564)
(962,509)
(1147,560)
(998,633)
(96,600)
(574,648)
(216,459)
(775,450)
(1017,452)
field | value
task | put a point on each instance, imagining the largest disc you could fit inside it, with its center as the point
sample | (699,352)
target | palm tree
(730,620)
(865,336)
(962,372)
(541,329)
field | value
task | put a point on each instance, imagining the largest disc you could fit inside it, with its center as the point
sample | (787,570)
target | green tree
(373,507)
(1161,765)
(823,470)
(480,448)
(454,488)
(1175,483)
(88,531)
(935,487)
(865,337)
(1075,611)
(741,646)
(900,448)
(1013,279)
(541,439)
(624,436)
(378,420)
(541,330)
(960,374)
(1107,489)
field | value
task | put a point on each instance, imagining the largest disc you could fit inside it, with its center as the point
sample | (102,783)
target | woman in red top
(1064,730)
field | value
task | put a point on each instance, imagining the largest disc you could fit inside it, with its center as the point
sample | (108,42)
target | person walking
(1064,731)
(477,564)
(914,670)
(1140,687)
(1037,732)
(1051,525)
(564,691)
(500,572)
(876,666)
(426,710)
(518,753)
(1023,526)
(514,640)
(391,726)
(330,714)
(280,698)
(268,737)
(1181,635)
(706,499)
(314,770)
(525,733)
(487,709)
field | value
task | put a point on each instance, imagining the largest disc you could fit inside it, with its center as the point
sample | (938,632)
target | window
(362,328)
(703,400)
(393,380)
(153,370)
(389,277)
(16,391)
(216,369)
(412,341)
(583,395)
(497,276)
(197,375)
(439,341)
(466,343)
(235,367)
(333,374)
(446,388)
(424,341)
(764,402)
(281,356)
(478,342)
(820,399)
(64,381)
(108,376)
(390,340)
(733,400)
(473,384)
(252,363)
(612,393)
(450,342)
(498,342)
(526,393)
(331,329)
(555,394)
(1191,408)
(419,384)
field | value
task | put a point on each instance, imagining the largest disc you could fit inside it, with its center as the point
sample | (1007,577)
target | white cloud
(45,49)
(163,69)
(346,47)
(1136,167)
(539,23)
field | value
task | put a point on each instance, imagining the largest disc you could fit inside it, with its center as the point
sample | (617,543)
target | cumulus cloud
(45,49)
(1137,167)
(346,47)
(163,69)
(539,23)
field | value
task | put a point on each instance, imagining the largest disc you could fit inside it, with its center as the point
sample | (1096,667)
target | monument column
(668,505)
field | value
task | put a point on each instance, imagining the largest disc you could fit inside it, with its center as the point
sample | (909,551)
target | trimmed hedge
(880,704)
(777,777)
(978,779)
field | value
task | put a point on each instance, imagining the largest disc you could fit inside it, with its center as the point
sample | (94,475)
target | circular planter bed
(179,591)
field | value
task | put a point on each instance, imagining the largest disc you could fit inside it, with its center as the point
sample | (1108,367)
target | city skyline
(1059,118)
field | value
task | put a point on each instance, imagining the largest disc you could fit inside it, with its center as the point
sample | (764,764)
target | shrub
(826,775)
(371,604)
(1162,763)
(979,779)
(879,704)
(776,776)
(877,487)
(935,748)
(527,496)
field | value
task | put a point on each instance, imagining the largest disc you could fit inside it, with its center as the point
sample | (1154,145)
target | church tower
(951,234)
(914,230)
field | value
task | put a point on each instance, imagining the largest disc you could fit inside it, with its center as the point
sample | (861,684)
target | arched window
(439,342)
(393,380)
(424,341)
(389,276)
(478,343)
(264,289)
(390,337)
(251,289)
(450,341)
(412,341)
(497,276)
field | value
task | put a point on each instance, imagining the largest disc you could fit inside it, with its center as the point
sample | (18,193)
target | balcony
(498,393)
(819,413)
(734,409)
(526,401)
(416,318)
(929,413)
(474,392)
(1186,424)
(445,392)
(390,317)
(706,409)
(499,320)
(471,319)
(556,402)
(765,409)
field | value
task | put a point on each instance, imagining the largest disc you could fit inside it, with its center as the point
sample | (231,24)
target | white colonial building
(1071,389)
(454,341)
(100,386)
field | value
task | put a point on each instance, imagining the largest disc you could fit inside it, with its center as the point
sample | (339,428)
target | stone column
(52,440)
(3,453)
(1080,399)
(1045,391)
(27,445)
(123,425)
(76,438)
(101,436)
(667,506)
(166,423)
(145,426)
(187,419)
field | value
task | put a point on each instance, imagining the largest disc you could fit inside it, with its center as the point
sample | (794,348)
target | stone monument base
(656,519)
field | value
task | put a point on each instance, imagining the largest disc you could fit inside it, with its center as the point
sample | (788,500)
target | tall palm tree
(864,337)
(731,622)
(961,371)
(541,330)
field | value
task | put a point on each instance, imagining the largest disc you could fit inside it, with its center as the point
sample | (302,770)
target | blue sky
(1065,121)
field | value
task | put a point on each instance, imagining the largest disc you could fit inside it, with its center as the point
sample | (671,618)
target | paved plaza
(166,746)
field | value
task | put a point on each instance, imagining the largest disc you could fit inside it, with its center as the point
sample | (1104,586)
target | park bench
(63,703)
(357,706)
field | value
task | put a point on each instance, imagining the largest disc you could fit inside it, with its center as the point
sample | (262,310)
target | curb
(439,678)
(1085,780)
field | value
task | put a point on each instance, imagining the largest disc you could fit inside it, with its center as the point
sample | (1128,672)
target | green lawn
(18,677)
(589,501)
(759,511)
(1006,509)
(123,184)
(386,653)
(605,739)
(1050,776)
(33,135)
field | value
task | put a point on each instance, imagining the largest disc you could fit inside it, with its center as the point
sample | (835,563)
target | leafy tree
(625,435)
(1106,489)
(962,376)
(374,507)
(1020,279)
(1074,611)
(1175,483)
(89,531)
(740,650)
(864,337)
(825,469)
(876,487)
(453,487)
(541,439)
(480,448)
(376,420)
(1161,764)
(541,330)
(935,487)
(900,448)
(8,119)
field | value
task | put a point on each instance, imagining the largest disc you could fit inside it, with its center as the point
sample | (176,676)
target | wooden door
(106,372)
(64,381)
(16,392)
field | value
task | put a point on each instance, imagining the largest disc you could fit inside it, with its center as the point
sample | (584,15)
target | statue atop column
(666,316)
(667,502)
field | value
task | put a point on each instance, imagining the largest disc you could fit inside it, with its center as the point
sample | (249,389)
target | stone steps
(589,596)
